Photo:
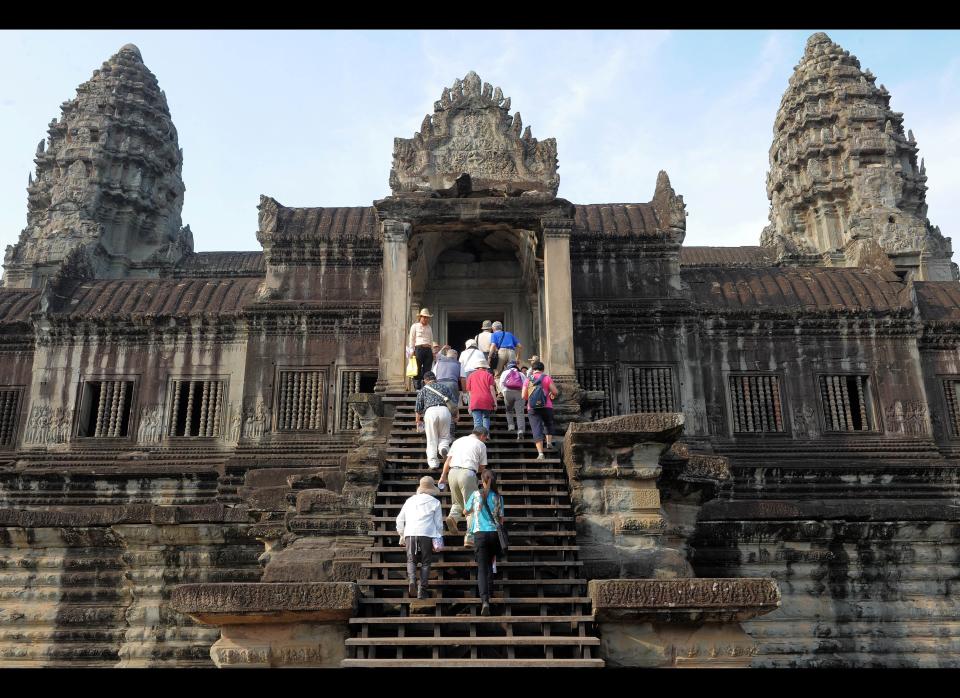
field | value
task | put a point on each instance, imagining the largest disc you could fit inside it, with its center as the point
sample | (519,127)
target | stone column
(558,305)
(393,306)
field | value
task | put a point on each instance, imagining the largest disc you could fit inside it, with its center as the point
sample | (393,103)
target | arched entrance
(466,277)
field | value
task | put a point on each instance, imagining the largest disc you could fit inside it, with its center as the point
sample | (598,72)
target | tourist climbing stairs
(541,615)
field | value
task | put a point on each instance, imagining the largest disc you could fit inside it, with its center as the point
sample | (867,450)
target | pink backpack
(513,381)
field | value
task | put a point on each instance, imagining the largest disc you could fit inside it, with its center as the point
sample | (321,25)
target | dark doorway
(459,330)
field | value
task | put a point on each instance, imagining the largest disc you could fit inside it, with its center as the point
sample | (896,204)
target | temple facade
(173,417)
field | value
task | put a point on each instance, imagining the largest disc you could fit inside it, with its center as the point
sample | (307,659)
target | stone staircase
(541,614)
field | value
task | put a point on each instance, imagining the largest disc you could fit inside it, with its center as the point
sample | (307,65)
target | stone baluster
(174,407)
(102,408)
(204,409)
(192,386)
(119,403)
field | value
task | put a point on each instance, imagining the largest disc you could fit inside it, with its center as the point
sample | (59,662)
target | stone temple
(201,453)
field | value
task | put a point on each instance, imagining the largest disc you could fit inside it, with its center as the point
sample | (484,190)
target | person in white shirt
(470,360)
(466,461)
(420,521)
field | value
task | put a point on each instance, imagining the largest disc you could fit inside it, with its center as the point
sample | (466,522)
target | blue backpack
(537,397)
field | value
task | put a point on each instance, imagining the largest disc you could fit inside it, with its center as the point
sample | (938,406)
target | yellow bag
(412,367)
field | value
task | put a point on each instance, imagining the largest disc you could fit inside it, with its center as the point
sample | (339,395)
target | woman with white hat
(420,341)
(420,521)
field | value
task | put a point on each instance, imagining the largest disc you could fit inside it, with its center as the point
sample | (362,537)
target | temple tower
(844,185)
(108,182)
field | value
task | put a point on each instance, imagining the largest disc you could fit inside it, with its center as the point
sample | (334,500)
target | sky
(309,117)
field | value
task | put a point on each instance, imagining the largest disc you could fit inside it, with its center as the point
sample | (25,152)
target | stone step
(502,641)
(474,663)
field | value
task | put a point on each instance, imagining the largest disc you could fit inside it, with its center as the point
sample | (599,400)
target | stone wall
(91,587)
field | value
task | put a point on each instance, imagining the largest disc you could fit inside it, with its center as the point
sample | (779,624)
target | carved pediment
(471,132)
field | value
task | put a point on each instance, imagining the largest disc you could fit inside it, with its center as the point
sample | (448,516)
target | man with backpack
(511,386)
(539,391)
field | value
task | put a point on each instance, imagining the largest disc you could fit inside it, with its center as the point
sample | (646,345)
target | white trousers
(436,425)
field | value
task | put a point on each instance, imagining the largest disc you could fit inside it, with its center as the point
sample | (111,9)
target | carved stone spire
(471,132)
(108,180)
(844,183)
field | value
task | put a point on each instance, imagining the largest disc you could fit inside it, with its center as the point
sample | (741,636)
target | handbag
(447,402)
(437,544)
(412,367)
(501,533)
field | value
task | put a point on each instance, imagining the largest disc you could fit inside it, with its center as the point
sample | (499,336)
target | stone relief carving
(804,420)
(236,422)
(255,421)
(471,132)
(47,425)
(908,417)
(151,425)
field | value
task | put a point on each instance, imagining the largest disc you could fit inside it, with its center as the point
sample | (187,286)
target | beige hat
(428,486)
(424,312)
(486,325)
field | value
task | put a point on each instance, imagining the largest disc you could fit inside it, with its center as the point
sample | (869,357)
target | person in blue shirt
(486,542)
(504,348)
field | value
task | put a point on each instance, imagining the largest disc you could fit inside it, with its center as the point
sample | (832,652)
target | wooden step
(501,482)
(473,620)
(474,663)
(462,549)
(403,495)
(506,519)
(506,507)
(504,640)
(471,564)
(475,600)
(562,582)
(520,534)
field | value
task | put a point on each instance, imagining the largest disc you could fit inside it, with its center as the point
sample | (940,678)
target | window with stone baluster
(195,407)
(351,382)
(756,404)
(650,388)
(300,399)
(10,400)
(847,403)
(596,377)
(105,409)
(951,390)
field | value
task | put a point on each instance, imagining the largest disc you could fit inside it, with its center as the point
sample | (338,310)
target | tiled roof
(17,304)
(328,223)
(221,264)
(938,300)
(159,297)
(747,256)
(615,220)
(847,290)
